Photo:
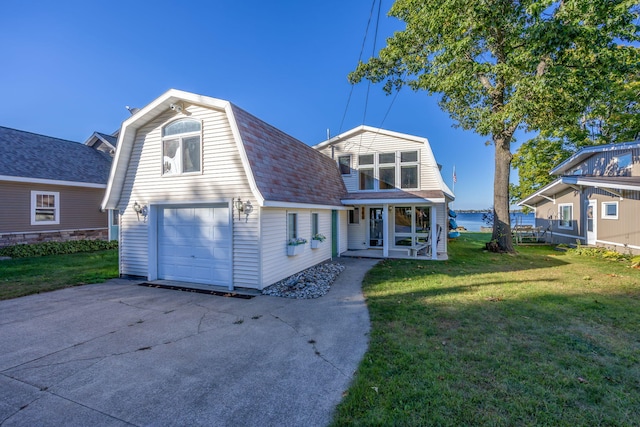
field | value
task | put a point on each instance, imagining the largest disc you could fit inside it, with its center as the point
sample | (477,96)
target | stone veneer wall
(54,236)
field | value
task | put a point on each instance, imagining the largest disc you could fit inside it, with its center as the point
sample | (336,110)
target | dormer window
(388,171)
(181,149)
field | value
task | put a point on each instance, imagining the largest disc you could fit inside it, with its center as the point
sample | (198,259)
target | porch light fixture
(140,210)
(245,207)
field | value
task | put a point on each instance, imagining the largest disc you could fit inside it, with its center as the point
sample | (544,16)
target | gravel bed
(310,283)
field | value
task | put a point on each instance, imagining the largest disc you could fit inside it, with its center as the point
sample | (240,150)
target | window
(45,208)
(390,171)
(565,216)
(181,147)
(411,225)
(609,210)
(292,226)
(623,161)
(315,224)
(344,163)
(367,180)
(354,218)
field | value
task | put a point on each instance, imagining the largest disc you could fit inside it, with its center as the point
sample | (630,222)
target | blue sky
(70,67)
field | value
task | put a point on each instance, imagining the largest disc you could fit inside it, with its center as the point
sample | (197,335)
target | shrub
(600,252)
(57,248)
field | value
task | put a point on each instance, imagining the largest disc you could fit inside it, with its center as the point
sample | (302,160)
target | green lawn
(25,276)
(540,338)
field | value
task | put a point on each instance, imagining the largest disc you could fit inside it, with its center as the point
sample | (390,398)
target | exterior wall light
(140,210)
(245,207)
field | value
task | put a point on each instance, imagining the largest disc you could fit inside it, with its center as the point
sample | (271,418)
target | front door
(376,227)
(591,222)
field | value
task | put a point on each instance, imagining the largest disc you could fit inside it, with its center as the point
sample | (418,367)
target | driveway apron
(117,354)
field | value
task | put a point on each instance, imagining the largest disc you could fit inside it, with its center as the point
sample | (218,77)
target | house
(595,200)
(51,188)
(398,201)
(209,194)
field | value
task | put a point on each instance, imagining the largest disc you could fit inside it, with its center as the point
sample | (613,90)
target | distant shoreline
(481,210)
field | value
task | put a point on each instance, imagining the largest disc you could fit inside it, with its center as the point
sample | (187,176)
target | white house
(209,194)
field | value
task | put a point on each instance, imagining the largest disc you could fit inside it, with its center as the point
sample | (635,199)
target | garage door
(194,244)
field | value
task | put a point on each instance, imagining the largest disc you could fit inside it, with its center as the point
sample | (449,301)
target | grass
(540,338)
(25,276)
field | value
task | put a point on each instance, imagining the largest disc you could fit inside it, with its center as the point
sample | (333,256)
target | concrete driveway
(119,354)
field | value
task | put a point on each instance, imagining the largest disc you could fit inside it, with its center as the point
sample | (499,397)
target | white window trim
(180,137)
(317,215)
(564,227)
(604,210)
(56,208)
(356,216)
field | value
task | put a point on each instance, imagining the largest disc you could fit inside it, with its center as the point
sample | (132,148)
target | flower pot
(315,244)
(293,250)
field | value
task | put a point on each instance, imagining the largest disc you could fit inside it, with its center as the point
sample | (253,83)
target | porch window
(412,225)
(292,226)
(181,147)
(45,208)
(344,163)
(565,216)
(609,210)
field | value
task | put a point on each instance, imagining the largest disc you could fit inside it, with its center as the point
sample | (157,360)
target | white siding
(343,232)
(276,265)
(357,233)
(370,143)
(222,179)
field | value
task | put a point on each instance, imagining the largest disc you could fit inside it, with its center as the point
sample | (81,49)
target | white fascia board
(290,205)
(50,182)
(415,201)
(364,128)
(243,155)
(605,185)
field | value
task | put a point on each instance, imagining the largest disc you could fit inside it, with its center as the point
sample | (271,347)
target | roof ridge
(42,135)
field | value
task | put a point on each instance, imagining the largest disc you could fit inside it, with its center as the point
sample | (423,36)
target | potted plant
(316,240)
(295,246)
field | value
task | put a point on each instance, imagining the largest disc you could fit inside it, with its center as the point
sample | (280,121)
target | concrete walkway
(117,354)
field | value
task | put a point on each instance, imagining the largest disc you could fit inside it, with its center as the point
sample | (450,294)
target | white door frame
(591,236)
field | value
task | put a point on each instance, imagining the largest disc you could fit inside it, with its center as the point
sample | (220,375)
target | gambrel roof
(281,170)
(30,157)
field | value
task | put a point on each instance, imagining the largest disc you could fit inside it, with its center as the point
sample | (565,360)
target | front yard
(25,276)
(541,338)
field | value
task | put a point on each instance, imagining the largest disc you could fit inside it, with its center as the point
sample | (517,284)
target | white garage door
(194,245)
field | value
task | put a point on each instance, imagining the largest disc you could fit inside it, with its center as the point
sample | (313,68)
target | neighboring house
(51,189)
(398,200)
(595,200)
(210,194)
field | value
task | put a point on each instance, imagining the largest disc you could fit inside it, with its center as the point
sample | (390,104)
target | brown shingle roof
(285,169)
(399,194)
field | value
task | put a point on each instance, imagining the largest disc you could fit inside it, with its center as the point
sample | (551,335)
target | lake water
(472,221)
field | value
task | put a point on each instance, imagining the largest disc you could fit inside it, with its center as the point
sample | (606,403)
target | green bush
(600,252)
(57,248)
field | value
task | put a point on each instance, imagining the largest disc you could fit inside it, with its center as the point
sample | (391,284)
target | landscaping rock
(313,282)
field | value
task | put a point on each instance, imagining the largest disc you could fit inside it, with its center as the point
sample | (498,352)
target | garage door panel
(194,245)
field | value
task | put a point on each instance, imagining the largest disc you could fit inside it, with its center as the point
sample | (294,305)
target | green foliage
(600,252)
(500,65)
(57,248)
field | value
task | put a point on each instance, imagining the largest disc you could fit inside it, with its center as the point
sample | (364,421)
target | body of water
(472,221)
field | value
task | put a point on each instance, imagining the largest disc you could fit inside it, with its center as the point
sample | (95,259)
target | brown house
(52,188)
(595,200)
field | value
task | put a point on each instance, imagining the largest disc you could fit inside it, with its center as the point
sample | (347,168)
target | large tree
(501,65)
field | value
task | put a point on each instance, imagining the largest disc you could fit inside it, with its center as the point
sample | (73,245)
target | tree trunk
(501,240)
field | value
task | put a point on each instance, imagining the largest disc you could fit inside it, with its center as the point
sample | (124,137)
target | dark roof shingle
(29,155)
(284,168)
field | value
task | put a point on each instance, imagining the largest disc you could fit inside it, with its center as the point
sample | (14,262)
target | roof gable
(586,152)
(33,156)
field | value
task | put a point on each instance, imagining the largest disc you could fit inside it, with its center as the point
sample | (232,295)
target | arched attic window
(181,148)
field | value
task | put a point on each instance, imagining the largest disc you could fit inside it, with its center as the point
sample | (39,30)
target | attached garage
(194,244)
